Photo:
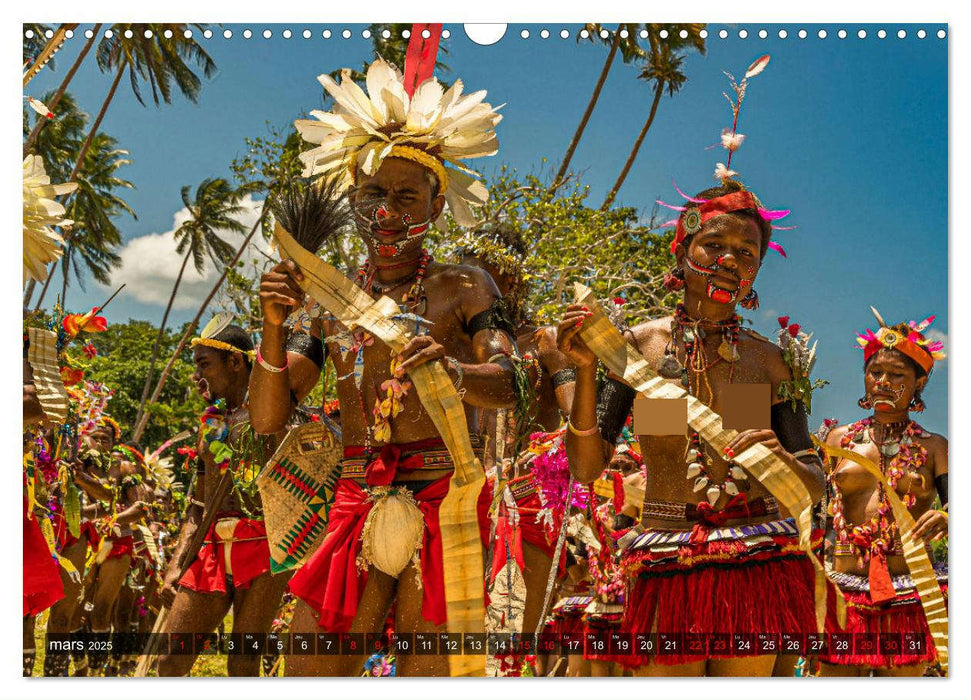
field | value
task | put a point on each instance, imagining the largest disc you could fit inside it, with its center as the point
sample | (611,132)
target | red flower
(315,418)
(90,350)
(783,321)
(620,301)
(71,376)
(794,329)
(75,323)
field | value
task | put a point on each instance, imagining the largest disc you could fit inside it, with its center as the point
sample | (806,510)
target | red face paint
(722,296)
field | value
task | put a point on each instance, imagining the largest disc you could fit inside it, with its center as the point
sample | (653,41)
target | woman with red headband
(714,560)
(869,565)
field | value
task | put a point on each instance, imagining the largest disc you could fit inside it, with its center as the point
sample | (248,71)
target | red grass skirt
(566,620)
(755,583)
(901,615)
(249,556)
(599,627)
(42,578)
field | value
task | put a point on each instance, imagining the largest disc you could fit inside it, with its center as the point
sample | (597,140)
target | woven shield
(297,490)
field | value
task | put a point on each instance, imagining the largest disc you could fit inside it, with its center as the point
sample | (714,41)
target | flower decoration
(88,323)
(41,212)
(907,338)
(800,356)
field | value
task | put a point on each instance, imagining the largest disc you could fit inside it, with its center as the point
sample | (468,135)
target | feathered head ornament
(434,127)
(698,211)
(907,338)
(210,336)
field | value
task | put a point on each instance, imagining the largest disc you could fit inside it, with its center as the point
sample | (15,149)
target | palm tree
(93,209)
(94,232)
(148,54)
(629,49)
(55,99)
(36,42)
(664,70)
(214,209)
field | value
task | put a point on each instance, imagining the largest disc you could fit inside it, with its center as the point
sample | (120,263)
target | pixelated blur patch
(660,416)
(746,406)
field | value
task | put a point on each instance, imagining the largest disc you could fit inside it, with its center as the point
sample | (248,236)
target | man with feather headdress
(399,149)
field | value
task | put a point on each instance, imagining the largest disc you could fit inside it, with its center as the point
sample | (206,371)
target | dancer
(869,565)
(397,463)
(680,577)
(232,568)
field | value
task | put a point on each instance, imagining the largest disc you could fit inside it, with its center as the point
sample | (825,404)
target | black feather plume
(312,213)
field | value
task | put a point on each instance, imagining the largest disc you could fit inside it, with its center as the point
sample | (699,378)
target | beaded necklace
(906,456)
(414,301)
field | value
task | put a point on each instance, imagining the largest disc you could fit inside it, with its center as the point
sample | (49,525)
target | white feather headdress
(434,127)
(42,245)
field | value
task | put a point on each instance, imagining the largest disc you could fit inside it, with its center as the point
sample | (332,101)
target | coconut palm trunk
(52,105)
(158,340)
(658,91)
(163,378)
(614,45)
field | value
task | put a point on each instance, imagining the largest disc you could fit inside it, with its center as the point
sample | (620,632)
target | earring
(917,404)
(865,402)
(750,300)
(674,280)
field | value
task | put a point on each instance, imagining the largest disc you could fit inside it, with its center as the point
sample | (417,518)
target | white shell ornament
(713,494)
(393,530)
(700,483)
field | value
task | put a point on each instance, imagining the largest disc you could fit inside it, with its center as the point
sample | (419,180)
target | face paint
(717,294)
(370,214)
(881,404)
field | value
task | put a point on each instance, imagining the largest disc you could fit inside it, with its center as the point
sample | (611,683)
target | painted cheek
(722,296)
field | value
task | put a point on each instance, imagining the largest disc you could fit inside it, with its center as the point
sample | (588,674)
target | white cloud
(150,263)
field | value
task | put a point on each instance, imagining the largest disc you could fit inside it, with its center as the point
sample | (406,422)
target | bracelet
(458,370)
(582,433)
(267,366)
(194,502)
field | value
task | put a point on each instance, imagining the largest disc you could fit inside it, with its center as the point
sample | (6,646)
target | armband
(566,375)
(307,345)
(495,317)
(940,481)
(614,402)
(791,427)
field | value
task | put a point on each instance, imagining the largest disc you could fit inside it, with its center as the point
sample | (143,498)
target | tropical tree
(663,69)
(94,233)
(53,101)
(213,210)
(624,38)
(93,210)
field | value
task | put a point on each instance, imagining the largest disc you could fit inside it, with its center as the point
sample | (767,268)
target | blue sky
(850,134)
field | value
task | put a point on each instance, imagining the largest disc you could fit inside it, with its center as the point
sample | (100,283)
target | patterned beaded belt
(522,487)
(639,538)
(688,512)
(432,459)
(902,583)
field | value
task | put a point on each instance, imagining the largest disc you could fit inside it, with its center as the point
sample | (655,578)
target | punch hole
(366,34)
(841,33)
(187,33)
(227,34)
(882,34)
(346,34)
(267,33)
(624,33)
(109,33)
(167,33)
(247,33)
(723,34)
(386,33)
(564,34)
(446,34)
(783,33)
(287,34)
(941,34)
(524,34)
(129,33)
(545,34)
(663,33)
(307,34)
(584,34)
(326,34)
(821,33)
(643,34)
(861,33)
(88,33)
(207,34)
(425,34)
(683,34)
(604,34)
(703,34)
(660,416)
(747,406)
(70,34)
(148,34)
(29,33)
(743,34)
(49,33)
(921,34)
(763,34)
(487,34)
(902,34)
(803,34)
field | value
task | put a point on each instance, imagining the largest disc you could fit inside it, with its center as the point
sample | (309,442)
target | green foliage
(124,355)
(614,251)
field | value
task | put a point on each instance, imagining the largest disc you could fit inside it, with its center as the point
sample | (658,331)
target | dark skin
(734,242)
(890,381)
(455,294)
(218,375)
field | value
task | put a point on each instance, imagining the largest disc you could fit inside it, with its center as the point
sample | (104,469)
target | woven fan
(42,356)
(297,489)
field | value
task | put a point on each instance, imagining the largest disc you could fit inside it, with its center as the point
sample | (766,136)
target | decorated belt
(639,538)
(522,487)
(356,460)
(902,583)
(848,549)
(688,512)
(573,603)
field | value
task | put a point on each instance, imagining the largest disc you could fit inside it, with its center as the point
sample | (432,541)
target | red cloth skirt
(66,539)
(42,578)
(120,546)
(331,581)
(758,582)
(529,528)
(249,557)
(901,615)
